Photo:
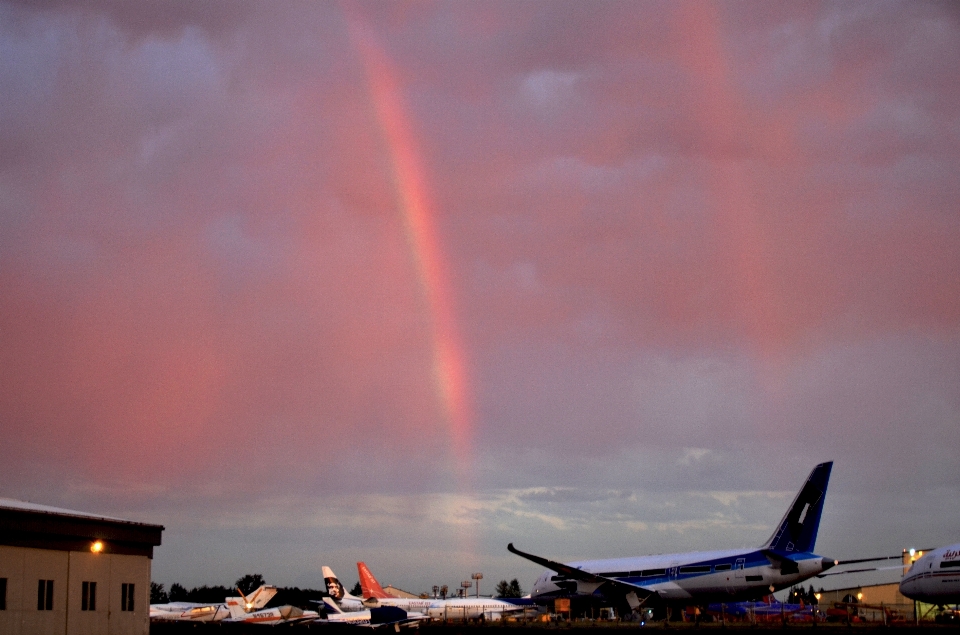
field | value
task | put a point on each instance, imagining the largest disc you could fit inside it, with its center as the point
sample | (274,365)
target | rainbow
(417,209)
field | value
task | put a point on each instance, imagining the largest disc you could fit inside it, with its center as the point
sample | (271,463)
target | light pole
(477,577)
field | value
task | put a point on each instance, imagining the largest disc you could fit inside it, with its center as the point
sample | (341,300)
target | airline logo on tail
(369,585)
(334,588)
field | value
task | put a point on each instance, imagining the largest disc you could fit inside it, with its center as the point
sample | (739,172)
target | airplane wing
(632,593)
(859,560)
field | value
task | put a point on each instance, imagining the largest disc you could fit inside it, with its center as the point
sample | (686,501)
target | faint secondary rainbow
(417,209)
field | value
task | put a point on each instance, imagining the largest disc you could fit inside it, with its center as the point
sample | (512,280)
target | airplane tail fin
(334,587)
(236,606)
(797,531)
(259,598)
(371,588)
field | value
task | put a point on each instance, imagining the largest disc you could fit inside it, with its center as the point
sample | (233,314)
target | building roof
(12,503)
(398,593)
(27,524)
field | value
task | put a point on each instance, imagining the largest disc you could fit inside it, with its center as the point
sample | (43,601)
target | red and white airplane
(285,614)
(197,612)
(491,609)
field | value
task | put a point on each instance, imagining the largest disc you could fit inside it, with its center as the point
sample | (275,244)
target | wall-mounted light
(97,546)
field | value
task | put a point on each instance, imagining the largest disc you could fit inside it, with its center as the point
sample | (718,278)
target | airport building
(66,572)
(393,591)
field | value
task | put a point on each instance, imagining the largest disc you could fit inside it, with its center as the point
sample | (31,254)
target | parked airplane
(450,608)
(285,614)
(766,609)
(786,559)
(373,617)
(487,609)
(374,595)
(935,577)
(196,612)
(345,600)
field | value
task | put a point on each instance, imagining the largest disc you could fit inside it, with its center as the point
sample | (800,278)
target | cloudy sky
(403,282)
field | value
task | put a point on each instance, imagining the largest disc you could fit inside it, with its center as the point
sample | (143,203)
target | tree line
(304,598)
(295,596)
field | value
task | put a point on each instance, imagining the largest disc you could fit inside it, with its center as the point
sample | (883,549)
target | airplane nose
(827,563)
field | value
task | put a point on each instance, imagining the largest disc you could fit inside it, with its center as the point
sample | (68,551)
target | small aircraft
(196,612)
(376,617)
(785,559)
(935,577)
(285,614)
(490,609)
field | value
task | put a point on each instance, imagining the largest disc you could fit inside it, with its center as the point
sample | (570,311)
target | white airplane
(196,612)
(786,559)
(486,609)
(491,609)
(376,617)
(285,614)
(935,577)
(344,600)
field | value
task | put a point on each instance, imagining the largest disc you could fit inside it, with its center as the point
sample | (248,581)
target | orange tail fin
(369,585)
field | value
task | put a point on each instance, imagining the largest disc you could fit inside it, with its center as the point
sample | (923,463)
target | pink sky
(428,266)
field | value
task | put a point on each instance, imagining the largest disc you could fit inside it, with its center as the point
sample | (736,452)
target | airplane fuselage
(476,608)
(702,577)
(935,577)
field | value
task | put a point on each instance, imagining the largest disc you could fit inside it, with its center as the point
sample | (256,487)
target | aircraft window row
(705,568)
(947,565)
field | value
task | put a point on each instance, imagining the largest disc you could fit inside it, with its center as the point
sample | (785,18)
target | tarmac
(575,628)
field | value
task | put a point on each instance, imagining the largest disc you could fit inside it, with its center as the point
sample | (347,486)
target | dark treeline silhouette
(510,589)
(797,594)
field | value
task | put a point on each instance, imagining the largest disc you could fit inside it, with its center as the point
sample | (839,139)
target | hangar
(66,572)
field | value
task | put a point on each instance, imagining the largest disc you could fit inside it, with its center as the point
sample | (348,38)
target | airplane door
(672,571)
(738,568)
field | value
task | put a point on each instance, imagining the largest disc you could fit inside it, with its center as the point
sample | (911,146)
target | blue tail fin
(798,529)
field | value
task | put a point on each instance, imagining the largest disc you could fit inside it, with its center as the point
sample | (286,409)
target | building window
(126,596)
(3,594)
(88,602)
(44,595)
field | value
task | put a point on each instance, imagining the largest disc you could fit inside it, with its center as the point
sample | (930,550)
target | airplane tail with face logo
(797,532)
